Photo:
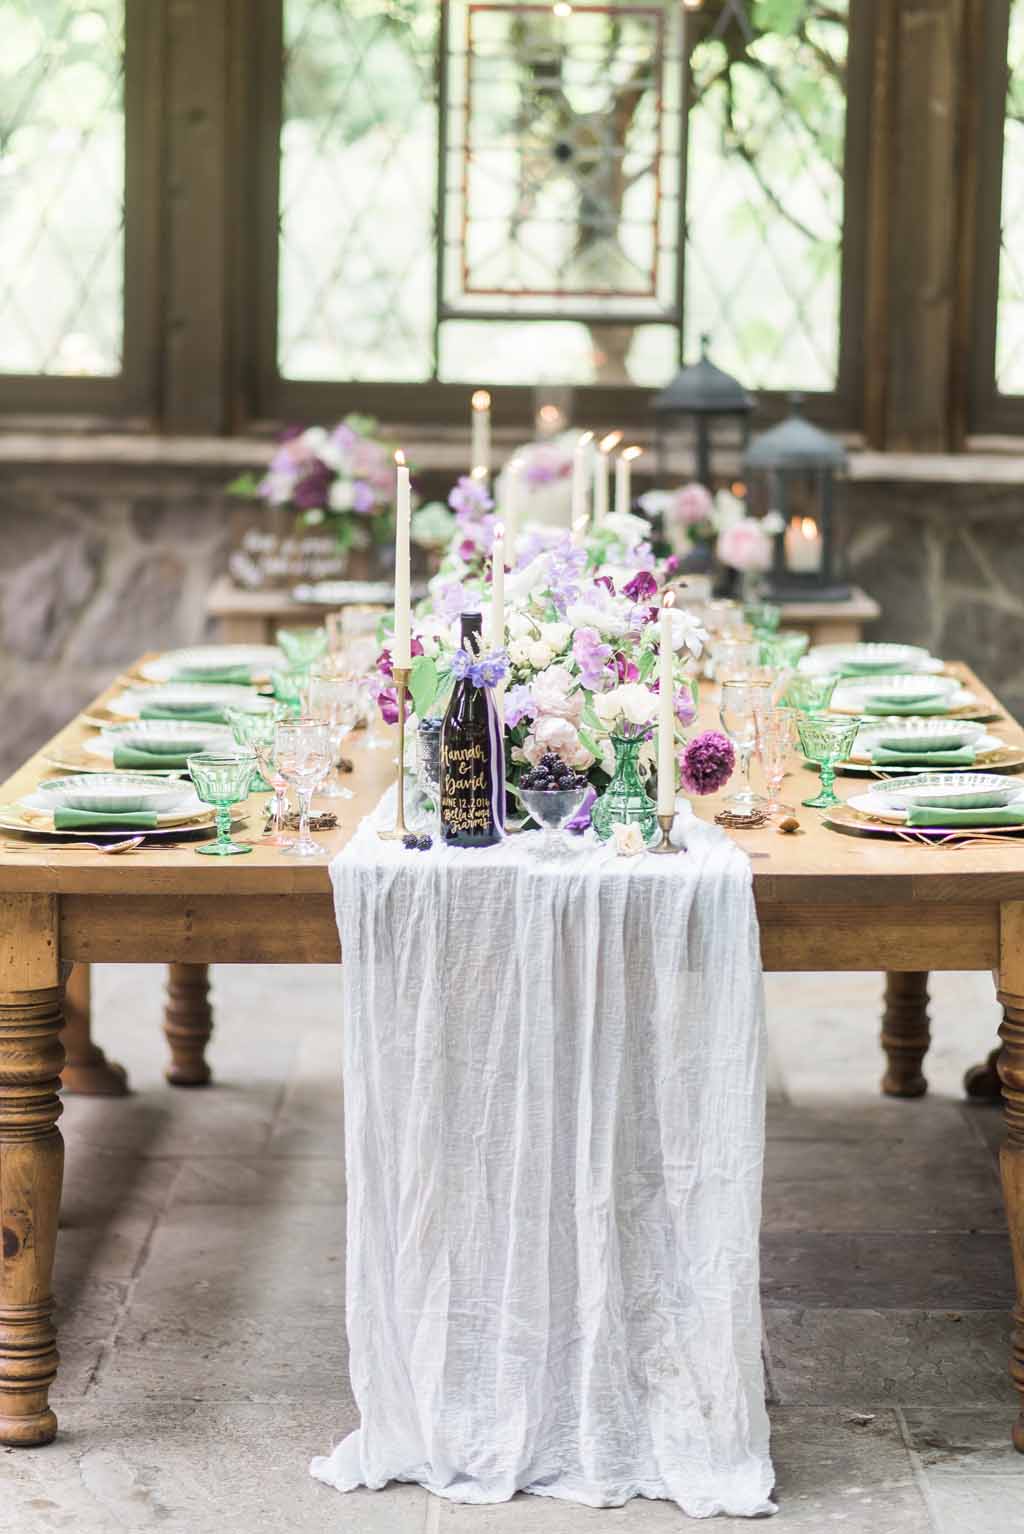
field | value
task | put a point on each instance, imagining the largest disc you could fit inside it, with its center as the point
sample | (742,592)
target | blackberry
(425,843)
(410,841)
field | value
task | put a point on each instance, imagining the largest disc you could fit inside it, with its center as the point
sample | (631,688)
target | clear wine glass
(334,699)
(251,728)
(733,659)
(743,703)
(266,756)
(370,714)
(776,743)
(302,750)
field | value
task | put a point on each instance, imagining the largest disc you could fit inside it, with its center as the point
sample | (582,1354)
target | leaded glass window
(488,191)
(62,140)
(1010,314)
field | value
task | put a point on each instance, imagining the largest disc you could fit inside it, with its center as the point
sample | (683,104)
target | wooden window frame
(129,398)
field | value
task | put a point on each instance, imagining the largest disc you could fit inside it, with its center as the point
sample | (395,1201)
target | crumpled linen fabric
(554,1121)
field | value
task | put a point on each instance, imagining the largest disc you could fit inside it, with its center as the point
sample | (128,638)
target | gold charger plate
(35,823)
(74,759)
(973,711)
(1005,759)
(857,823)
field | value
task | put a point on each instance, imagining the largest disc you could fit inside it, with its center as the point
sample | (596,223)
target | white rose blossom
(628,839)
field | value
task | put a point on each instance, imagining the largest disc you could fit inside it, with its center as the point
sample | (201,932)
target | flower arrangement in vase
(582,644)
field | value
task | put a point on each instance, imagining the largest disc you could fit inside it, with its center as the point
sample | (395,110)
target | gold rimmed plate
(1003,759)
(32,823)
(857,823)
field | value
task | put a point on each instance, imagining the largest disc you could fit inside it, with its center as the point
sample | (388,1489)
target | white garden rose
(554,691)
(628,840)
(339,497)
(540,654)
(519,652)
(557,635)
(520,625)
(631,702)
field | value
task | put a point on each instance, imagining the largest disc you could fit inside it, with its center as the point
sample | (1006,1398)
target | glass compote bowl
(222,779)
(334,698)
(552,809)
(302,752)
(301,648)
(809,694)
(826,739)
(252,730)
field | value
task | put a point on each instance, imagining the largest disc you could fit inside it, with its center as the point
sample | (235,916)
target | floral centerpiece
(581,660)
(342,479)
(695,521)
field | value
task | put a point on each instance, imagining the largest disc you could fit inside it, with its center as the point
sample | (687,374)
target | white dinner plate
(114,793)
(869,657)
(179,695)
(259,659)
(144,734)
(852,697)
(938,790)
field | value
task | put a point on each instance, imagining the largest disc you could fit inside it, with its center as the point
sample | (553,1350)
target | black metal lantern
(792,470)
(709,410)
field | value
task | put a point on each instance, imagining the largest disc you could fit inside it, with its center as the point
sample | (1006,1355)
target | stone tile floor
(201,1267)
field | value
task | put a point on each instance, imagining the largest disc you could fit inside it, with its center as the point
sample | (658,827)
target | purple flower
(685,708)
(362,498)
(592,657)
(310,494)
(488,671)
(605,580)
(642,587)
(449,601)
(470,495)
(385,666)
(566,565)
(672,564)
(706,764)
(625,669)
(519,705)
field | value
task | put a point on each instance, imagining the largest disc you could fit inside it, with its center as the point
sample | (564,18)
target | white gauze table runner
(554,1105)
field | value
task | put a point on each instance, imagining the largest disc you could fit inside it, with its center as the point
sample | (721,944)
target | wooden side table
(832,622)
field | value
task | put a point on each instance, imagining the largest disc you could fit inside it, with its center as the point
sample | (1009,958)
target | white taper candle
(666,713)
(623,478)
(402,653)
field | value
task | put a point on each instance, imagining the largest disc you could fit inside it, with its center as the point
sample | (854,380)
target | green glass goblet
(301,647)
(763,617)
(252,730)
(809,694)
(782,650)
(826,739)
(222,779)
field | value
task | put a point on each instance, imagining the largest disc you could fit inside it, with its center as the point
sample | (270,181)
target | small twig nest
(734,822)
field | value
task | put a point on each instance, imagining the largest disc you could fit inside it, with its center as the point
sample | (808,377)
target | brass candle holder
(665,845)
(401,678)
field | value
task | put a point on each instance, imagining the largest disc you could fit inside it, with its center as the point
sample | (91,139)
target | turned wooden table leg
(981,1082)
(188,1024)
(31,1164)
(1011,1158)
(905,1033)
(87,1071)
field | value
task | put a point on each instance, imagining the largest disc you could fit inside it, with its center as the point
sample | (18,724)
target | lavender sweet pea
(470,496)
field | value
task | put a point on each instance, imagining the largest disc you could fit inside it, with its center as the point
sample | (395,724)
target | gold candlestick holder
(665,845)
(401,678)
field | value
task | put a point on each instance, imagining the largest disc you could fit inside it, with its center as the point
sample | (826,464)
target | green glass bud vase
(625,801)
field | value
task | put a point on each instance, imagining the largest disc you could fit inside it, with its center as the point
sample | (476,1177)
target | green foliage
(429,684)
(246,485)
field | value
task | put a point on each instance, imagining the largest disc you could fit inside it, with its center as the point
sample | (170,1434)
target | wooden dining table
(825,901)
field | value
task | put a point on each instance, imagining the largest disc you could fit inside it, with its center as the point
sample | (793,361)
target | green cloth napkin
(891,706)
(130,756)
(962,756)
(239,675)
(864,668)
(1007,815)
(192,713)
(113,820)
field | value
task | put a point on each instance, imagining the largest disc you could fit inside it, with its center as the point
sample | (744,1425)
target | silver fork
(109,847)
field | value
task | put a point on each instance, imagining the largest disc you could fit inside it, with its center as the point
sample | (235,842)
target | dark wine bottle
(472,759)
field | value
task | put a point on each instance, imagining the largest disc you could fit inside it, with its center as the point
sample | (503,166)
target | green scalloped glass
(763,617)
(810,694)
(826,739)
(625,801)
(782,650)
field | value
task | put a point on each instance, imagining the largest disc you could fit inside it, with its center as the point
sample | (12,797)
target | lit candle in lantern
(666,712)
(402,644)
(581,476)
(623,477)
(605,447)
(803,546)
(480,455)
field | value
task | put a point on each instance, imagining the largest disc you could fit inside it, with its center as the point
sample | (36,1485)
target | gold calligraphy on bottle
(465,787)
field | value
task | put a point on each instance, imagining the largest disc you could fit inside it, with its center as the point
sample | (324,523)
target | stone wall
(103,560)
